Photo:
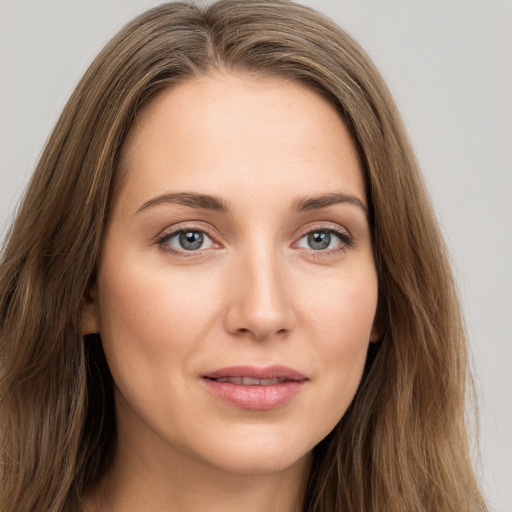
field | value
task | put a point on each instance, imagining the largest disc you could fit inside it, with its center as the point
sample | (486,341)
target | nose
(258,298)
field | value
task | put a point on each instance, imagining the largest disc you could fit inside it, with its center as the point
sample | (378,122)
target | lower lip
(256,398)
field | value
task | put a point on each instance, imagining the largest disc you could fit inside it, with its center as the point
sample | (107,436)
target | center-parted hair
(402,444)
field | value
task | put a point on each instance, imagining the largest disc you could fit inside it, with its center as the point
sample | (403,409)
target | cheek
(342,309)
(340,317)
(152,316)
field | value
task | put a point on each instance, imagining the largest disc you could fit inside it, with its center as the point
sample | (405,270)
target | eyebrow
(194,200)
(323,201)
(217,204)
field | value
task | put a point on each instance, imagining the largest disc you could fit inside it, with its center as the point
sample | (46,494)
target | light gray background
(448,64)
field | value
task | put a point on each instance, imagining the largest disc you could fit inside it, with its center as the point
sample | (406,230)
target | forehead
(226,134)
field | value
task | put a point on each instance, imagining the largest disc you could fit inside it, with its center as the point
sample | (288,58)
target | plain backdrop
(449,65)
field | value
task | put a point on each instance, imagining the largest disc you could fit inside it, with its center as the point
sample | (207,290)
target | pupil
(191,240)
(320,240)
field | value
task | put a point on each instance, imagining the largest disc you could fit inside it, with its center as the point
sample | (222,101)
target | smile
(253,388)
(250,381)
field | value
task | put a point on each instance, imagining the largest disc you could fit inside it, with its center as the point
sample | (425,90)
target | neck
(132,489)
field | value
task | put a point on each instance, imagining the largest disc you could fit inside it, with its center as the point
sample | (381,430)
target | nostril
(260,335)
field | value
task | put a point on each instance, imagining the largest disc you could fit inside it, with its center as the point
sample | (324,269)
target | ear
(379,327)
(375,335)
(89,323)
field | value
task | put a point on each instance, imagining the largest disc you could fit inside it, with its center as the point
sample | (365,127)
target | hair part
(402,445)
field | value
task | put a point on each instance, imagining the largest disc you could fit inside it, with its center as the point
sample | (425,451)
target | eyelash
(162,241)
(346,240)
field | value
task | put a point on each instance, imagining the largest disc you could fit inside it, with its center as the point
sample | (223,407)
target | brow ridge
(191,199)
(208,202)
(305,204)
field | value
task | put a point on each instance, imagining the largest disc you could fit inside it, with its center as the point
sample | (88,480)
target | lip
(256,397)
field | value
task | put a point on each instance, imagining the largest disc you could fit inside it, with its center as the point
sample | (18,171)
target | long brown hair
(402,445)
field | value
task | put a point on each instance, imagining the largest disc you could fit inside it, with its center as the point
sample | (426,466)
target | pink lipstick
(259,389)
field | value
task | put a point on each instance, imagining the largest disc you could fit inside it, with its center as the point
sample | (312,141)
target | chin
(245,462)
(258,454)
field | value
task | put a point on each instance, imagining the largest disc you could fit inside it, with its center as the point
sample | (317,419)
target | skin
(255,293)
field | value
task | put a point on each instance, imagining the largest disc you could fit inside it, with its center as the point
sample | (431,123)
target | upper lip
(267,372)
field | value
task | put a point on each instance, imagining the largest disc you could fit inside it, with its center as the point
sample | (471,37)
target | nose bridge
(259,303)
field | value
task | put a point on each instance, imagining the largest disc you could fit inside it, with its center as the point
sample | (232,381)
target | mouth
(254,388)
(250,381)
(253,375)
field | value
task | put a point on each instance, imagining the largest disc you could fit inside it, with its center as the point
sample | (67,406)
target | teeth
(270,382)
(233,380)
(250,381)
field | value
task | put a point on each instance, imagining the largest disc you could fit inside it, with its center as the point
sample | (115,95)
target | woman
(226,289)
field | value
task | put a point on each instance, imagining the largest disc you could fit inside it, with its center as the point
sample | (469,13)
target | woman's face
(236,290)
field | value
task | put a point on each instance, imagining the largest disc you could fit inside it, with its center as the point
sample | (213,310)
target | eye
(323,239)
(187,240)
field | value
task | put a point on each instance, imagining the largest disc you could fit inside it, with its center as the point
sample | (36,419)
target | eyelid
(342,233)
(189,225)
(346,239)
(172,231)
